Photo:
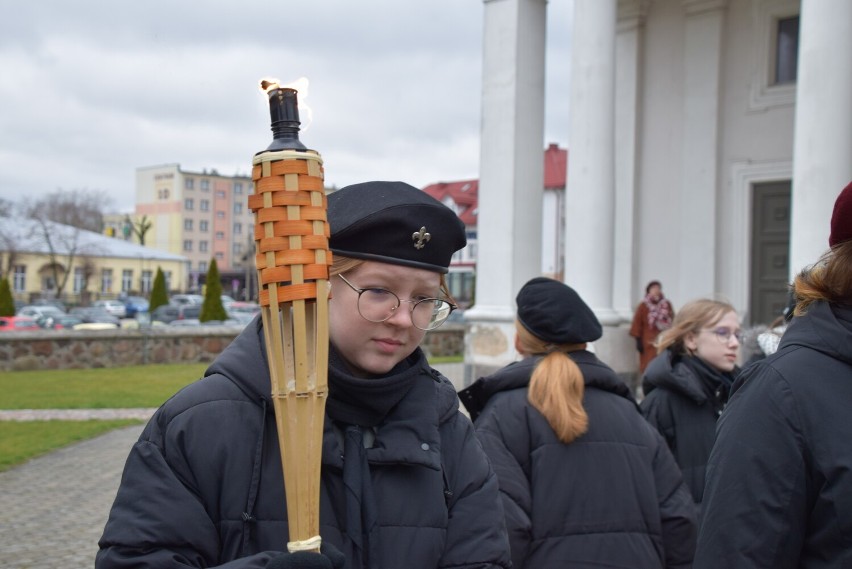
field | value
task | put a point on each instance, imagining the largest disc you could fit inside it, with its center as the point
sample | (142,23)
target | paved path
(53,508)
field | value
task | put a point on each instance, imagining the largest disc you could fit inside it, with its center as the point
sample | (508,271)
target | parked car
(180,299)
(38,311)
(170,312)
(114,307)
(50,302)
(135,305)
(59,321)
(94,315)
(18,324)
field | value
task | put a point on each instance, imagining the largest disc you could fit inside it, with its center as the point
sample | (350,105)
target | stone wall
(63,349)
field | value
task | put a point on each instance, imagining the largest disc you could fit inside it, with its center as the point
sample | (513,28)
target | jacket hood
(516,375)
(668,372)
(244,362)
(824,328)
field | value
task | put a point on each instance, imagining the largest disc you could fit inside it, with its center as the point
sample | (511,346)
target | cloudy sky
(91,90)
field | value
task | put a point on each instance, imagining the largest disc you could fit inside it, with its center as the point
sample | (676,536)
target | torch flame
(301,87)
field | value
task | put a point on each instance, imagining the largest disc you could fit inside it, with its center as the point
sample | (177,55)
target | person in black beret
(404,481)
(778,479)
(585,480)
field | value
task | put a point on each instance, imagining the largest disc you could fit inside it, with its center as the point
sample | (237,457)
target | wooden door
(770,251)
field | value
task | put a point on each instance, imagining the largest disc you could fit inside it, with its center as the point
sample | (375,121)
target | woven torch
(291,237)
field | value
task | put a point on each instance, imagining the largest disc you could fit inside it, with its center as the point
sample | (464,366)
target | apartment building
(201,216)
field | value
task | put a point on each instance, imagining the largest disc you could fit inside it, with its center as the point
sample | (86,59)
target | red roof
(462,196)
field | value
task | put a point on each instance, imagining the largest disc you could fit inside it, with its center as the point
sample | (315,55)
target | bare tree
(83,209)
(61,217)
(141,227)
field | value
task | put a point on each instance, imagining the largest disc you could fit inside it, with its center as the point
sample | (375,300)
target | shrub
(212,308)
(7,303)
(159,295)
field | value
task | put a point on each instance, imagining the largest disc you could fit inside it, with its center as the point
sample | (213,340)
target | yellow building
(53,260)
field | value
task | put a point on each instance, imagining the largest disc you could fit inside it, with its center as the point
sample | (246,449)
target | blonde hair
(829,280)
(340,265)
(691,318)
(556,386)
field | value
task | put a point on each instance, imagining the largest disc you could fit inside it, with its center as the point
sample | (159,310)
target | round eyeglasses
(378,305)
(724,334)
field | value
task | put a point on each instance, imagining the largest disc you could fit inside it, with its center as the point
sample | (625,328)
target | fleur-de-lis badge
(420,238)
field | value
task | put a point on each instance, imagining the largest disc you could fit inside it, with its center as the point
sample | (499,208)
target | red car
(17,323)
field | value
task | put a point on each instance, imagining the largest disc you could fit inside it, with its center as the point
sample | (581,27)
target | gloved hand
(328,558)
(640,347)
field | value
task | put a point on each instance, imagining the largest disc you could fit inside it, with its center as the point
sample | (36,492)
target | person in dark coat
(586,481)
(686,386)
(779,482)
(404,481)
(652,316)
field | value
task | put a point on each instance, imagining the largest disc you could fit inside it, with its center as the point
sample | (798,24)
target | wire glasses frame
(378,305)
(724,334)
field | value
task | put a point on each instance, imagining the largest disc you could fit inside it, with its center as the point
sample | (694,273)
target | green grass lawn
(21,441)
(102,388)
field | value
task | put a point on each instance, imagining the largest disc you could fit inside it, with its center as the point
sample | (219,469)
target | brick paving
(53,508)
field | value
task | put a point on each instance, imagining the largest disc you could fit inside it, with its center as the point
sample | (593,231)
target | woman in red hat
(779,479)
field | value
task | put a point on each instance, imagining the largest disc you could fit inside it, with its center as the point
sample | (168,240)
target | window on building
(205,185)
(188,204)
(238,207)
(163,194)
(187,224)
(126,280)
(220,194)
(220,214)
(202,246)
(238,249)
(106,280)
(187,245)
(79,279)
(238,229)
(19,278)
(204,205)
(238,187)
(203,225)
(202,266)
(189,183)
(167,276)
(786,50)
(219,256)
(145,282)
(220,235)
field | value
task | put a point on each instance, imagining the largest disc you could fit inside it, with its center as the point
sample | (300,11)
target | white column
(511,176)
(628,68)
(822,150)
(703,30)
(590,195)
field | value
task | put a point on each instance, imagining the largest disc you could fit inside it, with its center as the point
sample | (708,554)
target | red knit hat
(841,219)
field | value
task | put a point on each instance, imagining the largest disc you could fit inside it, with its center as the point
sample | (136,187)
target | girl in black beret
(586,481)
(404,481)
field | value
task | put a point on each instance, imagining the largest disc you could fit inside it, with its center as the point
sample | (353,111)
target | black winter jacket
(684,405)
(613,497)
(779,482)
(203,486)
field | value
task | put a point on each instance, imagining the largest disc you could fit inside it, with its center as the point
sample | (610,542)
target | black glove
(328,558)
(640,347)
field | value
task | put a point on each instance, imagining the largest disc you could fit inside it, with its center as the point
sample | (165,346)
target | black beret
(554,312)
(393,222)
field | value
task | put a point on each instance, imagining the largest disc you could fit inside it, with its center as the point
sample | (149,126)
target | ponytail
(556,387)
